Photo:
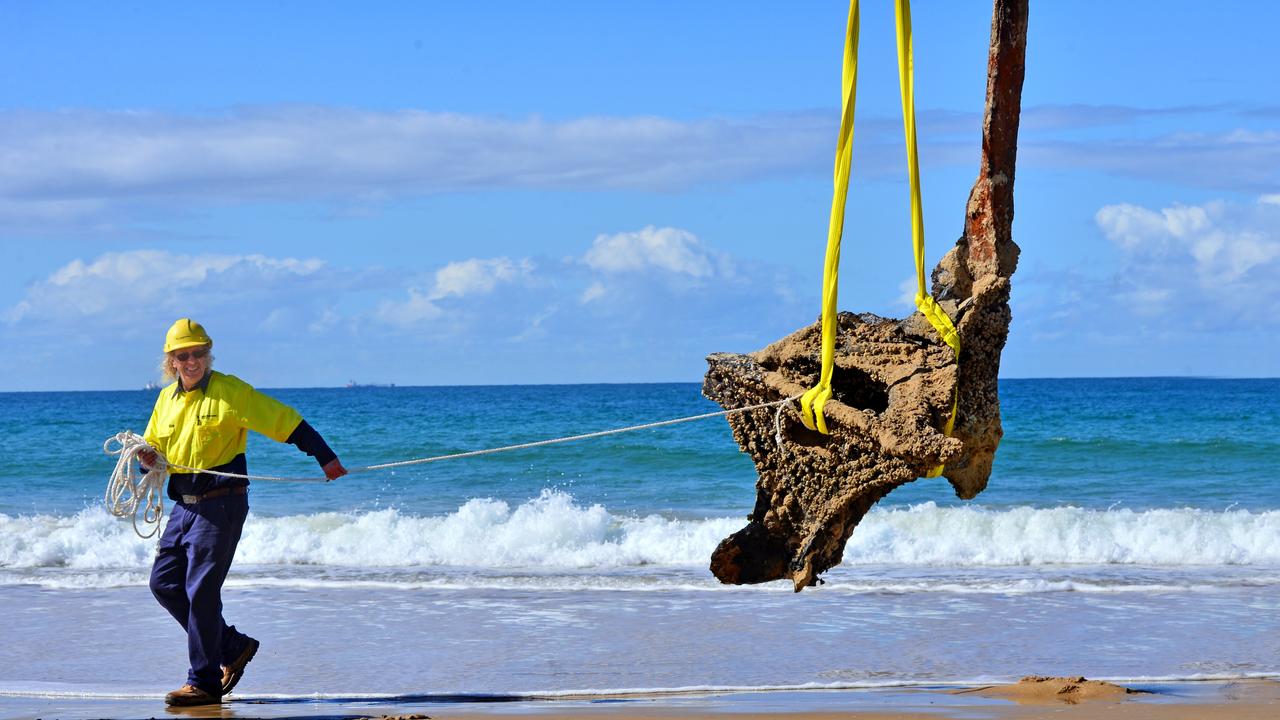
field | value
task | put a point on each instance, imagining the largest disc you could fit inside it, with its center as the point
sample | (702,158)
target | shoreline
(1249,699)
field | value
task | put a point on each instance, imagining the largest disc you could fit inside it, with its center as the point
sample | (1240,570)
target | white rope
(490,451)
(777,426)
(126,491)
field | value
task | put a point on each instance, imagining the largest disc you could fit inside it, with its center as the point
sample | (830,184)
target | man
(201,421)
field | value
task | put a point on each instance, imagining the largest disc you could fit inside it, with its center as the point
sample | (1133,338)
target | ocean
(1130,531)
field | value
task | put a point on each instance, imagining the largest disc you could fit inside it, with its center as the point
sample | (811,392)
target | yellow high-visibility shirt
(207,428)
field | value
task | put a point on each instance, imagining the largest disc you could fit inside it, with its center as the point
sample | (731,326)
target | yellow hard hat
(185,333)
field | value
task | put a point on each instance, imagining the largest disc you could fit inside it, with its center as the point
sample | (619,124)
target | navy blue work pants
(192,561)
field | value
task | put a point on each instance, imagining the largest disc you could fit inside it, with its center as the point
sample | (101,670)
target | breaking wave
(553,532)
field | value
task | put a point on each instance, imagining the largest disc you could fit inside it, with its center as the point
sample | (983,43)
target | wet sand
(1039,698)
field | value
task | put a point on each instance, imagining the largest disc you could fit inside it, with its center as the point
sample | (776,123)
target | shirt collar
(203,385)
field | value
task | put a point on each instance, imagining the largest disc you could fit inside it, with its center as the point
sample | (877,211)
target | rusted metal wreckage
(894,380)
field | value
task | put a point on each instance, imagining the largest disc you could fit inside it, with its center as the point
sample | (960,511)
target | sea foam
(553,532)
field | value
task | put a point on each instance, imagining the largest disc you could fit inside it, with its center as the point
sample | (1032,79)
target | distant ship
(152,385)
(354,384)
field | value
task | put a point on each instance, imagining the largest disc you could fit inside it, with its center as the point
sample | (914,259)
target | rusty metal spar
(894,380)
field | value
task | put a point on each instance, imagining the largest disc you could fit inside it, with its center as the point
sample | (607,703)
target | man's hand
(148,458)
(334,470)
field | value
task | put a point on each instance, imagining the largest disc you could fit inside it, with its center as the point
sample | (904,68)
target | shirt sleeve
(264,414)
(309,441)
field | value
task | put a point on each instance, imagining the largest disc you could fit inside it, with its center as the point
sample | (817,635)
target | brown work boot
(233,671)
(190,695)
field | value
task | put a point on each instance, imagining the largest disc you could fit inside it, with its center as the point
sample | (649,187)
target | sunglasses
(197,354)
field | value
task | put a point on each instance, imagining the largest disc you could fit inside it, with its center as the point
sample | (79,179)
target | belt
(220,492)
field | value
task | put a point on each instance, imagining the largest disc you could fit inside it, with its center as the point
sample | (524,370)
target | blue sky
(444,193)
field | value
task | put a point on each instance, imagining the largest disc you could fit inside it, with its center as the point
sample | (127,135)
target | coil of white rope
(126,493)
(128,490)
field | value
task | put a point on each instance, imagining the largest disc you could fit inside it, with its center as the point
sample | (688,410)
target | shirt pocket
(213,427)
(209,424)
(207,437)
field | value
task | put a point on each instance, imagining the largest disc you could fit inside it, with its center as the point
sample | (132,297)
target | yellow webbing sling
(818,395)
(812,402)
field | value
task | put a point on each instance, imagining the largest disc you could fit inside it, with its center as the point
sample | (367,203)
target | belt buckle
(191,499)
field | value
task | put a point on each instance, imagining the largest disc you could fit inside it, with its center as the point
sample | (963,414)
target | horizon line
(394,386)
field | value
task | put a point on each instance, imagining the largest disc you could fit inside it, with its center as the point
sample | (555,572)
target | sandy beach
(1030,698)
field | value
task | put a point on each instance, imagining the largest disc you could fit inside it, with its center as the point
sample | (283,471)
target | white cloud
(457,280)
(1129,225)
(1216,254)
(81,166)
(594,291)
(473,276)
(621,272)
(669,249)
(1186,221)
(291,321)
(1210,264)
(64,161)
(1241,160)
(117,286)
(325,321)
(1132,226)
(417,308)
(39,211)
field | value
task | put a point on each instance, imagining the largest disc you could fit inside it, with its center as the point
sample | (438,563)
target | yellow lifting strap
(812,402)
